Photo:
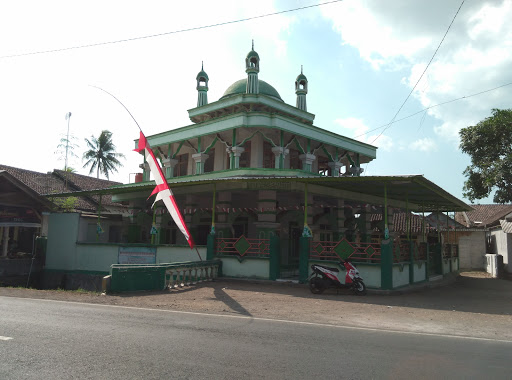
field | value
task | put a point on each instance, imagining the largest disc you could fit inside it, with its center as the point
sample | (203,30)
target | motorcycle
(324,277)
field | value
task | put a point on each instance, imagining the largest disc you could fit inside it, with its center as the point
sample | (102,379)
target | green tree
(66,147)
(101,154)
(67,204)
(489,144)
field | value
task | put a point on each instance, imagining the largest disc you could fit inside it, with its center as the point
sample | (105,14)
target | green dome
(301,76)
(240,87)
(202,74)
(252,53)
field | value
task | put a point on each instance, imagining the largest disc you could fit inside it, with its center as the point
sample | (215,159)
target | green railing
(344,249)
(242,247)
(136,277)
(190,273)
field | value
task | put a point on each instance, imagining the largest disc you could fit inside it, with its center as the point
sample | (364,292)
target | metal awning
(419,193)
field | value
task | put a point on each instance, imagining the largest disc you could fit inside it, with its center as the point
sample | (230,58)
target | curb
(448,279)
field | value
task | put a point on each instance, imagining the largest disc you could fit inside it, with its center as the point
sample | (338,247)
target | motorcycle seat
(332,269)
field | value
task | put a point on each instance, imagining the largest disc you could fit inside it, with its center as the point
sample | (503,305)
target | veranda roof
(412,191)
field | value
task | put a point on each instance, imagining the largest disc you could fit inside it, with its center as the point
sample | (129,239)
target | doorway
(290,261)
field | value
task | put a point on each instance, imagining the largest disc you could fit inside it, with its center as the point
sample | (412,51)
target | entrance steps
(438,277)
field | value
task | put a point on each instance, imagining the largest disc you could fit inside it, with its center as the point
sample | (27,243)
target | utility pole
(68,117)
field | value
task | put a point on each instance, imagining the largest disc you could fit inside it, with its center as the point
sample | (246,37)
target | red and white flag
(162,190)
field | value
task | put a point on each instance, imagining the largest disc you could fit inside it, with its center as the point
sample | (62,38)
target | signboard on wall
(137,255)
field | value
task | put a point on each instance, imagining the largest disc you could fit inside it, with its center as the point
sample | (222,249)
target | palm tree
(101,155)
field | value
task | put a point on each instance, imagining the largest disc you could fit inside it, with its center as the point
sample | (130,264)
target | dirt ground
(472,305)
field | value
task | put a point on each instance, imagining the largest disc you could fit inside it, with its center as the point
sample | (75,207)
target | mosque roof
(240,86)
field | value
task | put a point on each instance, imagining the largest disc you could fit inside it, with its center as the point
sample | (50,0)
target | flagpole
(127,110)
(200,259)
(162,190)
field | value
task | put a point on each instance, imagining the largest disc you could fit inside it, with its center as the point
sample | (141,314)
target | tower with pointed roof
(202,87)
(252,68)
(301,89)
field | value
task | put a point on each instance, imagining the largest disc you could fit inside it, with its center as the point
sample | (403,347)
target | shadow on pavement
(466,294)
(221,295)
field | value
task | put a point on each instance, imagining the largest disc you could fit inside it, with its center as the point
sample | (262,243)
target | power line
(431,59)
(430,107)
(168,33)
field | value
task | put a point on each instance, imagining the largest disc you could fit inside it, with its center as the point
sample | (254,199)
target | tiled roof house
(482,216)
(60,181)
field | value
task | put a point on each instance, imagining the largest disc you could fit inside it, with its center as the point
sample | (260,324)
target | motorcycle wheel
(359,288)
(316,285)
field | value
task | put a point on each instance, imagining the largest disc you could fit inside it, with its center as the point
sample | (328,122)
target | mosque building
(267,192)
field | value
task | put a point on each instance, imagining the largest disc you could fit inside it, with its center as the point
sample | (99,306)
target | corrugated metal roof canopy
(420,193)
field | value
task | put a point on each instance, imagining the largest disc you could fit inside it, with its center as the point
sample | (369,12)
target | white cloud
(358,130)
(475,55)
(154,77)
(424,145)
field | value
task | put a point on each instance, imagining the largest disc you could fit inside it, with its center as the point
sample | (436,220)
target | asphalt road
(61,340)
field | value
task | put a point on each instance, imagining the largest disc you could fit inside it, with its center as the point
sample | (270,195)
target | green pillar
(412,247)
(386,264)
(210,247)
(212,230)
(99,230)
(275,254)
(153,226)
(438,258)
(386,228)
(427,262)
(304,244)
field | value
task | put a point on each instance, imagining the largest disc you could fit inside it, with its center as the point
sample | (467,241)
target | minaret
(252,68)
(301,89)
(202,88)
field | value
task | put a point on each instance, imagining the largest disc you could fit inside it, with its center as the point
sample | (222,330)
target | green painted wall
(96,257)
(371,275)
(62,238)
(419,271)
(176,254)
(446,265)
(400,276)
(65,254)
(249,268)
(455,264)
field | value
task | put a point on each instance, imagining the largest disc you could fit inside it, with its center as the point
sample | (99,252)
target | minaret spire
(252,68)
(301,89)
(202,87)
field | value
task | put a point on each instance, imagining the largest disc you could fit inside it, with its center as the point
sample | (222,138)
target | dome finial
(202,87)
(301,89)
(252,68)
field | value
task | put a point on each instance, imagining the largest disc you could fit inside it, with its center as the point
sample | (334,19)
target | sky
(362,59)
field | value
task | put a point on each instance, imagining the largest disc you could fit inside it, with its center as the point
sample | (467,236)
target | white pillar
(335,168)
(199,159)
(307,161)
(237,152)
(145,171)
(169,164)
(279,151)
